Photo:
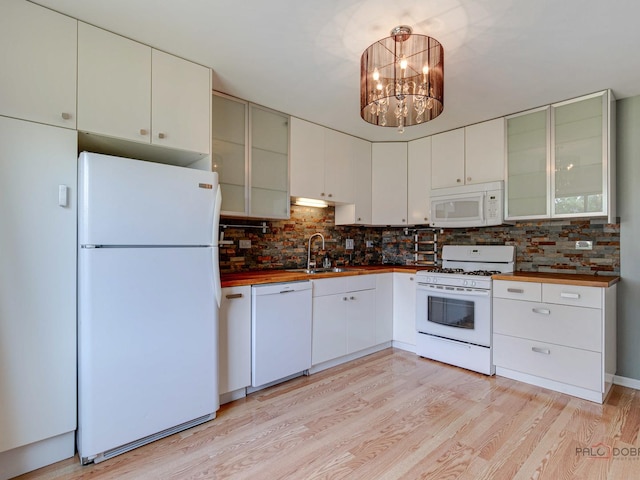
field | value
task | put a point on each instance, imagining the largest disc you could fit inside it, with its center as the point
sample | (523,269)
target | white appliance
(148,282)
(478,205)
(453,309)
(280,331)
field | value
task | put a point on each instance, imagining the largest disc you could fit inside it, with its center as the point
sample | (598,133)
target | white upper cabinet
(38,48)
(130,91)
(469,155)
(389,183)
(338,166)
(418,181)
(180,103)
(322,163)
(114,85)
(358,212)
(307,159)
(447,156)
(561,160)
(484,151)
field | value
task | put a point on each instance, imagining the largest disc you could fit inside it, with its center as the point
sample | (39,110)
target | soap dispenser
(326,261)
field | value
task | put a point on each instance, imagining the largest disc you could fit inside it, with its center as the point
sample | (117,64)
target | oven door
(462,314)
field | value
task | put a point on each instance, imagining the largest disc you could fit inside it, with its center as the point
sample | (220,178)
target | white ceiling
(302,57)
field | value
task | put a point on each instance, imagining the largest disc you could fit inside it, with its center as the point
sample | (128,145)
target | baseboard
(347,358)
(626,382)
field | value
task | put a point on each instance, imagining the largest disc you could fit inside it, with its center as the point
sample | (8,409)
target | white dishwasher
(280,331)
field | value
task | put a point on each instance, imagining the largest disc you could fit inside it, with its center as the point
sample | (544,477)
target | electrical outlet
(584,245)
(369,243)
(245,244)
(349,244)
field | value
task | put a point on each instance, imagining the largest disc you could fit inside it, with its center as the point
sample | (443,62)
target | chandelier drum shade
(402,80)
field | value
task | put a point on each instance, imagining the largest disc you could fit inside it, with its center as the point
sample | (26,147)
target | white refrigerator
(148,298)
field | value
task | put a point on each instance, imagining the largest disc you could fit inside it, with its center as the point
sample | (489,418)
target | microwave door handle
(482,207)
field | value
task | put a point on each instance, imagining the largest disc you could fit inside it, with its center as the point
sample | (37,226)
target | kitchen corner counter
(255,277)
(560,278)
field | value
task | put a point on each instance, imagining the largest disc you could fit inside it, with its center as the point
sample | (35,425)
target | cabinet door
(329,328)
(269,163)
(389,183)
(38,48)
(447,159)
(114,85)
(404,308)
(229,151)
(527,185)
(484,152)
(338,167)
(579,156)
(418,181)
(361,320)
(37,282)
(307,160)
(234,339)
(180,101)
(384,307)
(359,212)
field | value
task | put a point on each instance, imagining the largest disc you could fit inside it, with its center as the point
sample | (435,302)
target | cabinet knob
(458,180)
(411,279)
(404,220)
(425,219)
(468,179)
(161,135)
(66,116)
(143,131)
(322,194)
(352,298)
(345,299)
(359,219)
(330,195)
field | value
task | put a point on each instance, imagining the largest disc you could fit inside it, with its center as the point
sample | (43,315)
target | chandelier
(402,80)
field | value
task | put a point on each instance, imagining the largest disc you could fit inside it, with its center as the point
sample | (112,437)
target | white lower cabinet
(404,311)
(344,317)
(234,343)
(557,336)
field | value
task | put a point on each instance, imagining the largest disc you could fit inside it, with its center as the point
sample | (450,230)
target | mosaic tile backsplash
(541,246)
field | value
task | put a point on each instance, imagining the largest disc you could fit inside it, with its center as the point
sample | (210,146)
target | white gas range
(453,310)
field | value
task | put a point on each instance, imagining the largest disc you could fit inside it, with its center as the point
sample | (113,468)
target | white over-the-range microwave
(479,205)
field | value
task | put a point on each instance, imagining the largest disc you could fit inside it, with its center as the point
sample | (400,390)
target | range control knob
(473,283)
(465,282)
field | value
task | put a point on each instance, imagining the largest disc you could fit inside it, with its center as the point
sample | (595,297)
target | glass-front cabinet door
(269,164)
(527,185)
(579,138)
(250,152)
(229,151)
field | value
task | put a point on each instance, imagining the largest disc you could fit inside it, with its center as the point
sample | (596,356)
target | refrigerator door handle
(216,275)
(216,216)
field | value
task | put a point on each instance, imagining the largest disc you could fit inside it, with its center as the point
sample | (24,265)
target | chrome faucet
(309,249)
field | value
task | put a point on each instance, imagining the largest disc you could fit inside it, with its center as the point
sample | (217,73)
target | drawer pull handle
(546,351)
(515,290)
(542,311)
(570,295)
(233,295)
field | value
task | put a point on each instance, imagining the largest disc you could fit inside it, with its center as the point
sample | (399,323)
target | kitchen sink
(324,270)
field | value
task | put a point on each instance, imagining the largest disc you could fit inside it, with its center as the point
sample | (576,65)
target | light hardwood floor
(393,415)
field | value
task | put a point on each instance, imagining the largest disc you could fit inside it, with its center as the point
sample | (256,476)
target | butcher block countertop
(563,278)
(255,277)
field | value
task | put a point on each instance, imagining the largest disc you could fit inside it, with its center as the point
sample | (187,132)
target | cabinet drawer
(559,324)
(361,282)
(329,286)
(531,291)
(572,295)
(562,364)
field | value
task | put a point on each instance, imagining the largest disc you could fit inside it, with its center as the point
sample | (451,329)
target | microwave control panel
(493,205)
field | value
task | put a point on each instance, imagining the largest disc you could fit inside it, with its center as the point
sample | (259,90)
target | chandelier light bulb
(403,63)
(376,75)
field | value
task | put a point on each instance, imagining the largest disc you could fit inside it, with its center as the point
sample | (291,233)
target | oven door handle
(454,293)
